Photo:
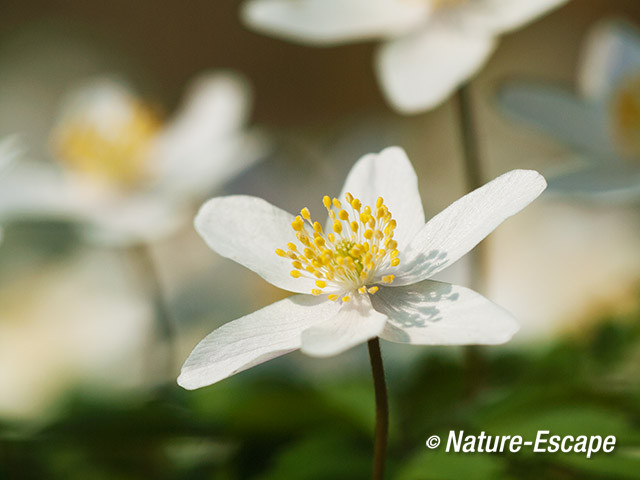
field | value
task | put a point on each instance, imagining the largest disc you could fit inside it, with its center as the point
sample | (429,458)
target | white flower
(126,175)
(364,274)
(430,47)
(601,121)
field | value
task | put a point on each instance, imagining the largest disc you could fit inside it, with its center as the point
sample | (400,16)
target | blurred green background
(87,382)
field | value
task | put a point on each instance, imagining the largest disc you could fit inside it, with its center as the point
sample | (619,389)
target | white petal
(390,175)
(205,145)
(104,103)
(461,226)
(10,150)
(134,219)
(580,124)
(330,22)
(606,181)
(498,16)
(355,323)
(419,71)
(35,190)
(215,105)
(611,51)
(253,339)
(435,313)
(249,230)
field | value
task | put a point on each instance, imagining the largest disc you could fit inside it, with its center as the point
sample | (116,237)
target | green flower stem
(473,179)
(165,329)
(382,409)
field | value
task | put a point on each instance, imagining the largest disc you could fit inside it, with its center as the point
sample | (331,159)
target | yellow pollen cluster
(348,257)
(118,158)
(626,113)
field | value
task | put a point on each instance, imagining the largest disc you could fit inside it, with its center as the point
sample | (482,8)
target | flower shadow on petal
(421,266)
(415,310)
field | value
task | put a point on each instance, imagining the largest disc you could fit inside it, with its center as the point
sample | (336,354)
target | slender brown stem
(382,409)
(472,172)
(164,326)
(473,179)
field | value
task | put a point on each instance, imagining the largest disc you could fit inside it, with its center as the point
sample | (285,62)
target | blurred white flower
(365,274)
(122,172)
(430,46)
(71,324)
(601,121)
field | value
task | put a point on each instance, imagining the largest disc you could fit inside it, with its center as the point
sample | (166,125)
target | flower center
(626,115)
(109,143)
(349,257)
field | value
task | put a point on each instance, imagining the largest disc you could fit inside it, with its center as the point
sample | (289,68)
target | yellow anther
(280,252)
(304,239)
(298,224)
(344,256)
(295,274)
(316,292)
(333,297)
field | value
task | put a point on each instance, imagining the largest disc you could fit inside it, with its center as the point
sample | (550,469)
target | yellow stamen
(351,256)
(116,152)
